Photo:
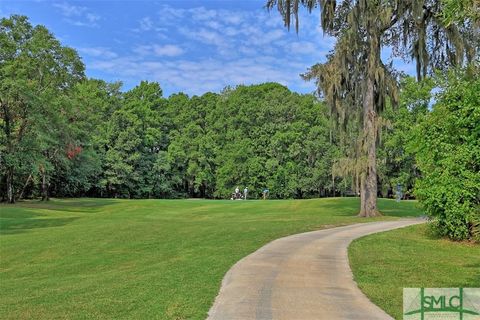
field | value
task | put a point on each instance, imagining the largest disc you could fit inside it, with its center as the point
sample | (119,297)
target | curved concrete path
(300,277)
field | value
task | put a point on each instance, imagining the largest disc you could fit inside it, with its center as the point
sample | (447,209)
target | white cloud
(213,24)
(302,47)
(168,50)
(146,24)
(208,49)
(204,35)
(203,14)
(79,23)
(77,15)
(266,38)
(233,18)
(149,24)
(92,18)
(98,52)
(70,10)
(197,77)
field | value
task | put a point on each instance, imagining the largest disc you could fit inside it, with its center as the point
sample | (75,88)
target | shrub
(447,147)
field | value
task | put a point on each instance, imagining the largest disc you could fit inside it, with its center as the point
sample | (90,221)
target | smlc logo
(441,303)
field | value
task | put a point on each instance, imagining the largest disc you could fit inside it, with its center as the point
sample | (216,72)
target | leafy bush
(447,147)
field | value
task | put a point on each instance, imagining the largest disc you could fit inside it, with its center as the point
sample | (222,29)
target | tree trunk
(25,187)
(203,190)
(368,185)
(9,150)
(10,192)
(333,185)
(44,185)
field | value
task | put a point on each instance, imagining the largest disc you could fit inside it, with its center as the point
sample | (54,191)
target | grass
(385,263)
(143,259)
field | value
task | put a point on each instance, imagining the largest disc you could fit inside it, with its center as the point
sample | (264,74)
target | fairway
(150,259)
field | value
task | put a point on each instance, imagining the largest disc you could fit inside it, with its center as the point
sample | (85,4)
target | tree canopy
(37,74)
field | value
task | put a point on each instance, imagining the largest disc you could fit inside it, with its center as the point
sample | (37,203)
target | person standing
(265,194)
(237,192)
(399,192)
(245,193)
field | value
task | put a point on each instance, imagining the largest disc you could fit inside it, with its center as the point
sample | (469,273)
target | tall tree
(133,139)
(356,80)
(92,104)
(35,72)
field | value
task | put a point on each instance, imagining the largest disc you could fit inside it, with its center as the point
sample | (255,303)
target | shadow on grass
(405,208)
(346,207)
(22,221)
(388,207)
(67,205)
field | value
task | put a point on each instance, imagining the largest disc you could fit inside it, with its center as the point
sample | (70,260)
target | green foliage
(132,141)
(397,164)
(461,11)
(261,136)
(447,144)
(37,73)
(272,138)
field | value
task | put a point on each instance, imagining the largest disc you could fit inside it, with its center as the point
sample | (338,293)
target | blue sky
(189,46)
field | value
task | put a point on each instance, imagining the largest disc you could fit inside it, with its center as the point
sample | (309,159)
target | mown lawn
(385,263)
(143,259)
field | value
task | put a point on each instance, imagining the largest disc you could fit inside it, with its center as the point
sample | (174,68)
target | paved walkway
(300,277)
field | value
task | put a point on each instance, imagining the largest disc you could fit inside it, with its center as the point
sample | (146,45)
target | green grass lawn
(143,259)
(385,263)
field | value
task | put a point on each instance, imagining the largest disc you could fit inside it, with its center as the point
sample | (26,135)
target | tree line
(65,135)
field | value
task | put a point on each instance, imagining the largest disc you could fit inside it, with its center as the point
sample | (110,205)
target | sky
(188,46)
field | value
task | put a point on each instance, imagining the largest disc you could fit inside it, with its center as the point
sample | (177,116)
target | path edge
(413,221)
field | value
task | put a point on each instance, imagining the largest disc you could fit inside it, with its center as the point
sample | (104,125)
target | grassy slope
(385,263)
(161,259)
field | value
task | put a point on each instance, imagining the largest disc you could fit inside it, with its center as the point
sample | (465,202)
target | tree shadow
(350,206)
(405,208)
(346,207)
(13,222)
(84,205)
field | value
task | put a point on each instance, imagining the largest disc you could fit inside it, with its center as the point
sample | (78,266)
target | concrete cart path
(300,277)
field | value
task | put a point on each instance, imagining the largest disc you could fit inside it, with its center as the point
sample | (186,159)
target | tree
(192,146)
(269,137)
(36,72)
(133,139)
(397,165)
(355,80)
(447,148)
(92,103)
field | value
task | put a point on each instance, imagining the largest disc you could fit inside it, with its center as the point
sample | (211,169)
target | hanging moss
(355,82)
